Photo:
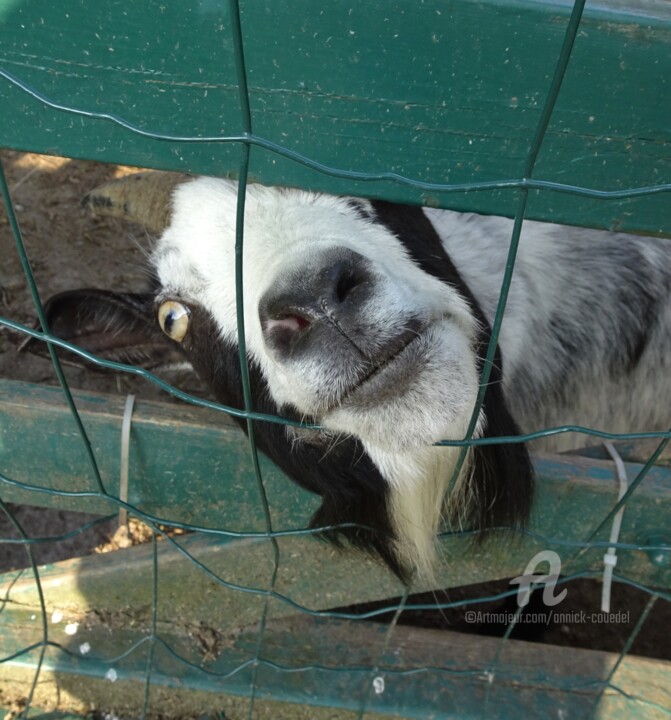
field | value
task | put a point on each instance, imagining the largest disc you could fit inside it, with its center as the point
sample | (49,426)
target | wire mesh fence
(257,671)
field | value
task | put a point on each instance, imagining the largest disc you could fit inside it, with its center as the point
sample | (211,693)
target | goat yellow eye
(173,317)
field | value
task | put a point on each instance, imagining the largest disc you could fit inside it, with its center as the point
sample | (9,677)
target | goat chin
(373,319)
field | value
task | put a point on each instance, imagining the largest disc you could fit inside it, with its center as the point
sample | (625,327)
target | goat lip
(386,379)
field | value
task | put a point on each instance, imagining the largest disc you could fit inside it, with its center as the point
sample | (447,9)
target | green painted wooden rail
(443,677)
(180,455)
(437,92)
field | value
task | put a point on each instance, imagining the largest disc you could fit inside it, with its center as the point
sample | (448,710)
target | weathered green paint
(188,465)
(436,92)
(331,662)
(312,575)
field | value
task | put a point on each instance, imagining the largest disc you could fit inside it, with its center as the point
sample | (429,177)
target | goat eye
(173,317)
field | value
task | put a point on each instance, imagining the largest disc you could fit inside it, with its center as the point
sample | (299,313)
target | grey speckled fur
(586,337)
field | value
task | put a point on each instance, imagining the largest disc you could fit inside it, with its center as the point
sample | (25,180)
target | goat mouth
(391,374)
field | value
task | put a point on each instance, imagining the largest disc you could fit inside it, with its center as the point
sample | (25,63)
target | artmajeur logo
(529,578)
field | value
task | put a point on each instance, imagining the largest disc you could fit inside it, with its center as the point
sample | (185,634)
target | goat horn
(144,198)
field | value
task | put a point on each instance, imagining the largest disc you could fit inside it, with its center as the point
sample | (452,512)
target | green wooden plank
(227,587)
(217,491)
(227,583)
(179,456)
(438,92)
(327,662)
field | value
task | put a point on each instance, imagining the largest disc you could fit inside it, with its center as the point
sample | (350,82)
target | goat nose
(331,289)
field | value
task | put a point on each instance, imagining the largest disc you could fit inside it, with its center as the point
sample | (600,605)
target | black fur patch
(351,487)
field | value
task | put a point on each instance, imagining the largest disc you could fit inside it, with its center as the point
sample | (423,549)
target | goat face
(346,329)
(355,319)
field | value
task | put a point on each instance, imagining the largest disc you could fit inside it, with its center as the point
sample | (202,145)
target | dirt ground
(69,248)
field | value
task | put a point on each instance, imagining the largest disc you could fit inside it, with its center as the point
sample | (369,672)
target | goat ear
(113,326)
(144,198)
(502,481)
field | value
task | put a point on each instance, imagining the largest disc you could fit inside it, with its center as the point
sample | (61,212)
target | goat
(371,320)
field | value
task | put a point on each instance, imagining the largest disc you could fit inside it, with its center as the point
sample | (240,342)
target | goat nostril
(290,323)
(348,280)
(283,332)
